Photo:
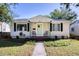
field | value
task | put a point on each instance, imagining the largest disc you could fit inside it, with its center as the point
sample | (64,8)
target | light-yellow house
(40,26)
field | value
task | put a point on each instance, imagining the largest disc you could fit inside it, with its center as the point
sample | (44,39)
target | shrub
(57,43)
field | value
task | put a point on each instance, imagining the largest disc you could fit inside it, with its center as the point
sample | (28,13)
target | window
(21,27)
(72,29)
(57,27)
(53,27)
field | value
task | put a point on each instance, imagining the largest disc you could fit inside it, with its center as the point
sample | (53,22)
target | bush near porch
(11,48)
(63,47)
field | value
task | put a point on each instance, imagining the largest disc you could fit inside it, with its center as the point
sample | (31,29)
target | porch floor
(39,38)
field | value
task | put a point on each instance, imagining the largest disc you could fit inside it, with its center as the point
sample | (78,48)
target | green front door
(39,29)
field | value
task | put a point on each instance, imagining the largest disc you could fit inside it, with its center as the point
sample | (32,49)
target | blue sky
(28,10)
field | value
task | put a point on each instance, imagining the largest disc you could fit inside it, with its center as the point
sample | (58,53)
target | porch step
(39,38)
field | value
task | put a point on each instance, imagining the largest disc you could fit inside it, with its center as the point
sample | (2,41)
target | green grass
(9,48)
(63,47)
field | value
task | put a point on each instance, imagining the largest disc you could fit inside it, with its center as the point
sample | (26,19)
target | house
(74,28)
(40,26)
(4,29)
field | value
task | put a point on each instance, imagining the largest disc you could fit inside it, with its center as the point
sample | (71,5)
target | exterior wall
(65,31)
(16,33)
(46,27)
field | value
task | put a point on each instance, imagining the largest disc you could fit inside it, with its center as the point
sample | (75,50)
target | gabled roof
(40,18)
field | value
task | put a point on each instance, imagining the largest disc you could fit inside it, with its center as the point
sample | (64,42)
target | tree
(68,5)
(63,14)
(56,14)
(6,15)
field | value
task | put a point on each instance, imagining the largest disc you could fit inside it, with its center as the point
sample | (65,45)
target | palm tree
(56,14)
(63,14)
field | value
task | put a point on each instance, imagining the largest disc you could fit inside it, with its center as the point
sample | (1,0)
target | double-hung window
(57,27)
(21,27)
(53,27)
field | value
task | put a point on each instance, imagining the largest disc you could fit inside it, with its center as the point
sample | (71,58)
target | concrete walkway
(39,50)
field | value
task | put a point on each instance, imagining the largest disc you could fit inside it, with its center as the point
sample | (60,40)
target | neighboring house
(4,30)
(4,27)
(74,28)
(40,26)
(0,26)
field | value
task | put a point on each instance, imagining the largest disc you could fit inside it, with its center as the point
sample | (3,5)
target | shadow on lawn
(14,42)
(50,39)
(20,42)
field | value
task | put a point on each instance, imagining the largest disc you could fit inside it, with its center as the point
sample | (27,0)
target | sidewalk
(39,50)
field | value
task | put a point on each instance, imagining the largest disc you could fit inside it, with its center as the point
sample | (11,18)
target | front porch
(40,29)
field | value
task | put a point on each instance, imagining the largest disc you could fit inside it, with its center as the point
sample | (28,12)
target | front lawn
(8,48)
(63,47)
